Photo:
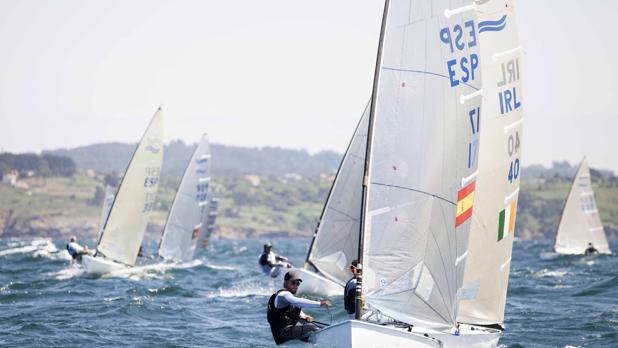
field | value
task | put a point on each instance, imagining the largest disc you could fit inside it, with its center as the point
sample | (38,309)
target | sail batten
(189,211)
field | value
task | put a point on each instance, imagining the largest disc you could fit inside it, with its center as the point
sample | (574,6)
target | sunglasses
(295,282)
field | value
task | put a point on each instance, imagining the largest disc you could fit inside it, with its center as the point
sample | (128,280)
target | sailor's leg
(298,332)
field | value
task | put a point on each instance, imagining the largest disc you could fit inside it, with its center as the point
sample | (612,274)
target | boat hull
(99,266)
(314,283)
(355,333)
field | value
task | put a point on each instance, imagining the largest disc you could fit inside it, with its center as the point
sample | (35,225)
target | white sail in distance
(422,162)
(126,224)
(335,243)
(580,222)
(186,223)
(486,276)
(108,200)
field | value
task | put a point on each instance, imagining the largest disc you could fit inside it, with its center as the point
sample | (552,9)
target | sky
(272,73)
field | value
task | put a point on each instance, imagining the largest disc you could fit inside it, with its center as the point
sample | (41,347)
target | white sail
(335,243)
(580,222)
(126,224)
(495,204)
(422,162)
(108,200)
(186,222)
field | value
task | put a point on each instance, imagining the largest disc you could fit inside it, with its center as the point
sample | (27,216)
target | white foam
(221,267)
(553,273)
(39,247)
(240,290)
(72,271)
(152,271)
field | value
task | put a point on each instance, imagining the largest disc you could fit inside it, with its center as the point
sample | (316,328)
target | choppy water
(219,299)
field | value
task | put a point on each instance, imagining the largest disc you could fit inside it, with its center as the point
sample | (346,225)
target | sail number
(513,146)
(473,146)
(202,192)
(460,69)
(152,176)
(149,202)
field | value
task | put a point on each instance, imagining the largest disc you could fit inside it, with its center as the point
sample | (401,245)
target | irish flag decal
(465,197)
(506,220)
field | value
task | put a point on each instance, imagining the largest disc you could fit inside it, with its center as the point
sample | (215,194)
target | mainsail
(422,158)
(187,218)
(335,244)
(580,222)
(491,236)
(125,226)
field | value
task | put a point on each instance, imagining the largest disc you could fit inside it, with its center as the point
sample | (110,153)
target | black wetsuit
(591,250)
(349,296)
(283,322)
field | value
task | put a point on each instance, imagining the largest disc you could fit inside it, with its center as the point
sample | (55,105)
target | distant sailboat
(488,260)
(124,229)
(335,241)
(580,222)
(419,182)
(187,224)
(108,201)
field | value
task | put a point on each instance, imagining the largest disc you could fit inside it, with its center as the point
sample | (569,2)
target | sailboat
(108,200)
(186,223)
(419,181)
(488,260)
(580,222)
(124,229)
(210,220)
(335,241)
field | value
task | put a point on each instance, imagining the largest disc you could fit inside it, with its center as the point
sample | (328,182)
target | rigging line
(427,73)
(415,190)
(441,295)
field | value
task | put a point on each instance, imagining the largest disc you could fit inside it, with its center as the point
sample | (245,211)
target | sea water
(219,299)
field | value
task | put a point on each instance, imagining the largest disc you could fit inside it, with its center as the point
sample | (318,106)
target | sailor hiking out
(271,263)
(285,311)
(75,250)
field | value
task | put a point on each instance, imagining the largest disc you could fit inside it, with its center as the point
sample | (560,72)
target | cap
(291,275)
(268,245)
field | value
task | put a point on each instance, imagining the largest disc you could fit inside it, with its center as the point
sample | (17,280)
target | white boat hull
(100,266)
(314,283)
(575,251)
(355,333)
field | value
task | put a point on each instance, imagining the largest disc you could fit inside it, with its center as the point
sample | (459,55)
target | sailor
(75,250)
(590,249)
(349,293)
(285,310)
(271,263)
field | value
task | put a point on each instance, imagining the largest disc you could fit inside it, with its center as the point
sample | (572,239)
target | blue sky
(282,73)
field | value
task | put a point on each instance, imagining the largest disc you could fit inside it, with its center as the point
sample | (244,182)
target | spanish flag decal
(465,197)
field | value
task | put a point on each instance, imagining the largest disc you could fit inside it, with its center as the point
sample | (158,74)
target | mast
(361,237)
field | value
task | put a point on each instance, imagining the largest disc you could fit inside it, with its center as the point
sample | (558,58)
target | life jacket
(72,252)
(263,259)
(349,297)
(280,318)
